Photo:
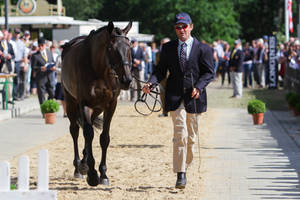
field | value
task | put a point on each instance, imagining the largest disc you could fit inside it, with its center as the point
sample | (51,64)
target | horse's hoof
(92,179)
(104,181)
(83,168)
(78,175)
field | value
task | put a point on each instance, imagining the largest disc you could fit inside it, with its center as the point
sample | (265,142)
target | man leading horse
(190,64)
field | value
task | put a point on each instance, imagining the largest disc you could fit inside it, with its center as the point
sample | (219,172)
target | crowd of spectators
(17,51)
(255,65)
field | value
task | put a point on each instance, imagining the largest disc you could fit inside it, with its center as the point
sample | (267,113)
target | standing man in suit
(191,69)
(137,58)
(7,56)
(236,69)
(44,76)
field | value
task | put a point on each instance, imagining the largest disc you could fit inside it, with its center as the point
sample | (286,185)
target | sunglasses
(181,27)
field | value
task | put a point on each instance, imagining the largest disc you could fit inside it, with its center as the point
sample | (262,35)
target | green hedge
(50,106)
(293,100)
(289,95)
(256,106)
(297,107)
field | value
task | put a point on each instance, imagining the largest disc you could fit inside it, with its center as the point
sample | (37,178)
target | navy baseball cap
(183,18)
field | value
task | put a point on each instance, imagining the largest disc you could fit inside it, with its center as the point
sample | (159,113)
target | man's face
(42,47)
(183,31)
(134,44)
(5,34)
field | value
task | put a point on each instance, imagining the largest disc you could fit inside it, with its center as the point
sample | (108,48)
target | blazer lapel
(176,56)
(192,53)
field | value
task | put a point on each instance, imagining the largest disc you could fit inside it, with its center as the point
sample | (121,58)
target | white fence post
(43,170)
(23,178)
(23,192)
(4,176)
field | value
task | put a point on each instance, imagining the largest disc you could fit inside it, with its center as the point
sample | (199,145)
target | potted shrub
(297,109)
(257,108)
(49,109)
(288,96)
(293,101)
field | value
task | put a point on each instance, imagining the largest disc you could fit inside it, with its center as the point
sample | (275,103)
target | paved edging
(20,108)
(289,123)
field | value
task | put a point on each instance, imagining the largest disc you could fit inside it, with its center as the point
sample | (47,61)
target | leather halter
(109,48)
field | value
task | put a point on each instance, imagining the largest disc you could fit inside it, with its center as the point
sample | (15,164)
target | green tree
(212,19)
(83,9)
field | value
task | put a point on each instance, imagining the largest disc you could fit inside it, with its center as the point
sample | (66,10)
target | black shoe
(181,180)
(163,115)
(11,102)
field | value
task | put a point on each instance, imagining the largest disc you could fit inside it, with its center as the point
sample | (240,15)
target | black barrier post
(273,69)
(6,14)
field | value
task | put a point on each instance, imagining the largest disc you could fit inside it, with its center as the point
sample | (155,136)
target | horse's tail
(97,123)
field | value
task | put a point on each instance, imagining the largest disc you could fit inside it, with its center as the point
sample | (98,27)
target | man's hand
(8,56)
(53,68)
(136,61)
(146,88)
(24,68)
(196,93)
(43,68)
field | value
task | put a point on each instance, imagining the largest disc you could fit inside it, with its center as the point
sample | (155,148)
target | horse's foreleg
(74,130)
(88,133)
(104,142)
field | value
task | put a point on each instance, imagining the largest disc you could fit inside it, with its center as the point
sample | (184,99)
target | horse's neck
(98,58)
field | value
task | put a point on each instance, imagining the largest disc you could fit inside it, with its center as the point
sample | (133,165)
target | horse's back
(70,57)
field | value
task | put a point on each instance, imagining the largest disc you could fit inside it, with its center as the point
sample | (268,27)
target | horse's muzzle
(127,77)
(126,80)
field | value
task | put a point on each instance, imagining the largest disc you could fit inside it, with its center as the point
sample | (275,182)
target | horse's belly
(68,78)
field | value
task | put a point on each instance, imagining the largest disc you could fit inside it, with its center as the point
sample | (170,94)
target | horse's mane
(93,32)
(86,39)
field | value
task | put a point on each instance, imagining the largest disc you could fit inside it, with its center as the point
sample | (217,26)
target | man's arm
(206,68)
(160,71)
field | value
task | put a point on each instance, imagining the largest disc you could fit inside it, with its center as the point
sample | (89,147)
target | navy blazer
(236,60)
(37,61)
(137,55)
(180,82)
(10,50)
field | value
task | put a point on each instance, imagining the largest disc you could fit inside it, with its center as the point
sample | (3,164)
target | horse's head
(119,54)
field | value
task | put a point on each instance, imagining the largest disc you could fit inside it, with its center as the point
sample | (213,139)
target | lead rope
(197,132)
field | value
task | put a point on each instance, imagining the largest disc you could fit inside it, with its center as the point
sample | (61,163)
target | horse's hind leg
(104,142)
(88,132)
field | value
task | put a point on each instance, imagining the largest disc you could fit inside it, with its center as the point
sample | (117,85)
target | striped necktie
(182,59)
(3,45)
(233,53)
(44,55)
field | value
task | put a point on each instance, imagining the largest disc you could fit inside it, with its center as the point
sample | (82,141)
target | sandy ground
(139,161)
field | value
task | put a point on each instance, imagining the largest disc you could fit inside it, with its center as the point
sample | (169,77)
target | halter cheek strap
(109,48)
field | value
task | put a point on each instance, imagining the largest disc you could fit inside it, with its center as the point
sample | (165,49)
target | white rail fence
(22,192)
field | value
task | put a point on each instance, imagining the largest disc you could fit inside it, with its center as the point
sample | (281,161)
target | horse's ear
(110,27)
(127,28)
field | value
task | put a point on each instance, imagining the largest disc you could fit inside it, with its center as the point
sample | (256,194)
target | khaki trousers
(185,133)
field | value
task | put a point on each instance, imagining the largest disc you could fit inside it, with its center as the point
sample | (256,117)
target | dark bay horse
(95,68)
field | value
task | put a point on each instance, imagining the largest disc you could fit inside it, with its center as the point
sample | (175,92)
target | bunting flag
(290,14)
